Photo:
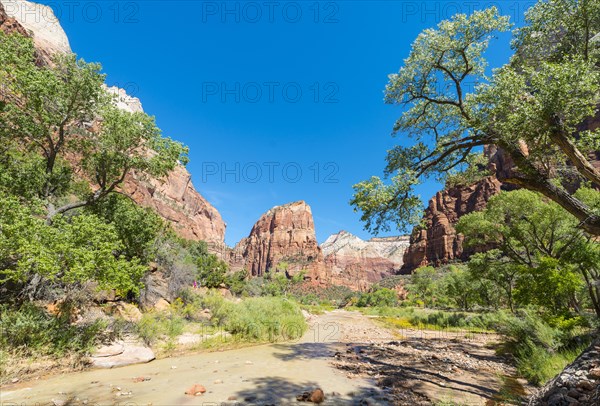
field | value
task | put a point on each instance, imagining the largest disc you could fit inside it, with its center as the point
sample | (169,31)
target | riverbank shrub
(33,331)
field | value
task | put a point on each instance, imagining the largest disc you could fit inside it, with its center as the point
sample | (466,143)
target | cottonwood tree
(540,256)
(532,109)
(61,113)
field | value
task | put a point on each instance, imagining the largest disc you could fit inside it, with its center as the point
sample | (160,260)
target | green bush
(311,295)
(542,348)
(266,319)
(257,318)
(156,325)
(211,270)
(379,297)
(236,282)
(31,329)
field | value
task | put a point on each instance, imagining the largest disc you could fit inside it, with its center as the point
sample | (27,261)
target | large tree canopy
(539,256)
(57,119)
(532,108)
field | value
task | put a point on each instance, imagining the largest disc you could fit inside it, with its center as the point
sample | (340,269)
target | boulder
(120,354)
(126,311)
(162,305)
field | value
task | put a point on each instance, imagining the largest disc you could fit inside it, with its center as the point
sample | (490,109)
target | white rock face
(358,264)
(41,22)
(124,101)
(50,37)
(345,243)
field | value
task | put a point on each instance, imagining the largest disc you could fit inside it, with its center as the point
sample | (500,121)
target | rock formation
(174,197)
(284,234)
(357,264)
(40,22)
(9,24)
(438,243)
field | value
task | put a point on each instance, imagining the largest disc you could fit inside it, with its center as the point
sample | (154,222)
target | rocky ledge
(577,384)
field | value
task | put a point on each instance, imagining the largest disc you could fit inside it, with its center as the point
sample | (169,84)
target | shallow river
(265,374)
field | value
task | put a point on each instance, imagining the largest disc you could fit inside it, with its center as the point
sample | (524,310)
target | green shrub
(266,319)
(330,296)
(538,365)
(211,270)
(378,297)
(156,325)
(236,282)
(542,349)
(34,331)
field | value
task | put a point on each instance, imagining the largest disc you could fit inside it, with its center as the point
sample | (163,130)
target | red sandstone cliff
(358,264)
(438,243)
(9,24)
(283,234)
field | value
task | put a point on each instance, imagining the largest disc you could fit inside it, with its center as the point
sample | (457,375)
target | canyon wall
(438,243)
(284,234)
(358,264)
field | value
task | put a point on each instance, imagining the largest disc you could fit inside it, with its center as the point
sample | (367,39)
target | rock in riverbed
(195,390)
(120,354)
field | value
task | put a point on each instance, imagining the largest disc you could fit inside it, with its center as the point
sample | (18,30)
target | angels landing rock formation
(438,243)
(358,264)
(284,234)
(174,197)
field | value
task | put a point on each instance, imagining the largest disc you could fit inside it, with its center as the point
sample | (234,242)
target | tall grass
(266,319)
(434,320)
(254,318)
(542,349)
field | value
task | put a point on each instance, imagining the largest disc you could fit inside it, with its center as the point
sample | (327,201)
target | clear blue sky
(188,62)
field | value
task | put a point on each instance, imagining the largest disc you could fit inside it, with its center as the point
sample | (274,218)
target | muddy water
(266,374)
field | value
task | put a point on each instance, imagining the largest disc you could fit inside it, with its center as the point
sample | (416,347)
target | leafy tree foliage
(66,146)
(422,284)
(378,297)
(212,271)
(531,108)
(71,251)
(61,111)
(137,227)
(462,288)
(473,170)
(540,256)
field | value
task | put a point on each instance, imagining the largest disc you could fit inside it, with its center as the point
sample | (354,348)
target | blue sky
(278,101)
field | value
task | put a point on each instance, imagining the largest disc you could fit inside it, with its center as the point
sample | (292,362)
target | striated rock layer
(284,234)
(358,264)
(438,243)
(174,197)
